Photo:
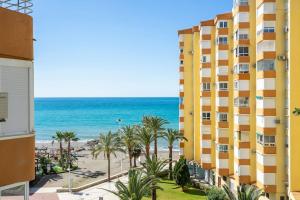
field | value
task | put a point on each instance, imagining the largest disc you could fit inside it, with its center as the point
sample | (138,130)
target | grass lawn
(173,192)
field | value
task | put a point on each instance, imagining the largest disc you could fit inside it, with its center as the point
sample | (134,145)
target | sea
(88,117)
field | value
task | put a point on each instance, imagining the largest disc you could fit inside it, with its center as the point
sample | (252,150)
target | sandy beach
(90,169)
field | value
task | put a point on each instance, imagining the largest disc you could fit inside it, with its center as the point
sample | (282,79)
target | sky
(113,48)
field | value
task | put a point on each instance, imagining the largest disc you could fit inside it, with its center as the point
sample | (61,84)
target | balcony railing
(22,6)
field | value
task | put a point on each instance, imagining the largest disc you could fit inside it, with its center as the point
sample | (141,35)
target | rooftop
(22,6)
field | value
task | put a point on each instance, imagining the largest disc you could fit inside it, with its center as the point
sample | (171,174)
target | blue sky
(112,48)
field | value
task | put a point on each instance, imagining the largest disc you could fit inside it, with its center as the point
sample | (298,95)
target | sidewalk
(94,193)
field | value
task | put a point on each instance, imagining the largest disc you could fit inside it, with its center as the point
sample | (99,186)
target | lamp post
(69,170)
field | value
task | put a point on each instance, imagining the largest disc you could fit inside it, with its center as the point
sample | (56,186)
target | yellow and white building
(240,94)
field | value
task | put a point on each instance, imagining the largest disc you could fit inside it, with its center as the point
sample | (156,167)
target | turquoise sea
(90,116)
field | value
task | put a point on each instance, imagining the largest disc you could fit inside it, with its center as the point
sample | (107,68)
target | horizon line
(107,97)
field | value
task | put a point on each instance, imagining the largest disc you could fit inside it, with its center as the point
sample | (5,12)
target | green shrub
(215,193)
(181,173)
(57,169)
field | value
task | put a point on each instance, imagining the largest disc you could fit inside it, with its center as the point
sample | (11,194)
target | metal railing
(22,6)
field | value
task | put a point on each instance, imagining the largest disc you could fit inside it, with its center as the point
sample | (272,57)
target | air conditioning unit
(253,151)
(286,29)
(281,57)
(277,121)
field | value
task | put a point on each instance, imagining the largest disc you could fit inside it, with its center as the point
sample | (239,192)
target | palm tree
(155,124)
(136,152)
(244,192)
(108,144)
(296,111)
(69,137)
(59,137)
(137,187)
(154,167)
(129,140)
(171,136)
(145,137)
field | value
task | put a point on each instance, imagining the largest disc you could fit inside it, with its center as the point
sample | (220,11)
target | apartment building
(244,82)
(17,140)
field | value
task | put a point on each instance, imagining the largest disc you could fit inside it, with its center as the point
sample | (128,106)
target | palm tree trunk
(134,161)
(108,167)
(148,150)
(170,162)
(130,159)
(155,144)
(69,152)
(153,194)
(60,149)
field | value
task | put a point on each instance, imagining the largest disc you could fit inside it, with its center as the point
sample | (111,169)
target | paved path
(94,193)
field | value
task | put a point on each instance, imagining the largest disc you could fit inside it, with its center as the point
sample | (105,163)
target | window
(206,86)
(242,51)
(241,102)
(3,106)
(181,50)
(223,86)
(180,100)
(222,40)
(181,62)
(241,69)
(222,117)
(241,34)
(240,2)
(223,148)
(223,24)
(205,59)
(266,65)
(206,115)
(265,140)
(269,29)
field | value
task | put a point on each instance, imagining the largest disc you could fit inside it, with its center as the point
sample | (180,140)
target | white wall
(265,84)
(266,45)
(205,44)
(205,72)
(206,158)
(242,153)
(266,102)
(206,143)
(266,121)
(222,55)
(16,78)
(266,159)
(205,30)
(222,163)
(242,85)
(222,101)
(266,8)
(241,119)
(205,129)
(222,70)
(222,132)
(266,178)
(205,101)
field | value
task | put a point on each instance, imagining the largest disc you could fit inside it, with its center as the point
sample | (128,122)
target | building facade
(243,79)
(17,139)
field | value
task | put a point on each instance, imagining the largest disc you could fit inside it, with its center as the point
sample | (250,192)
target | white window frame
(223,117)
(206,86)
(223,147)
(205,115)
(223,24)
(222,86)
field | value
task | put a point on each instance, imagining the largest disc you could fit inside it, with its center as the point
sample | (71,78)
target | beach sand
(90,169)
